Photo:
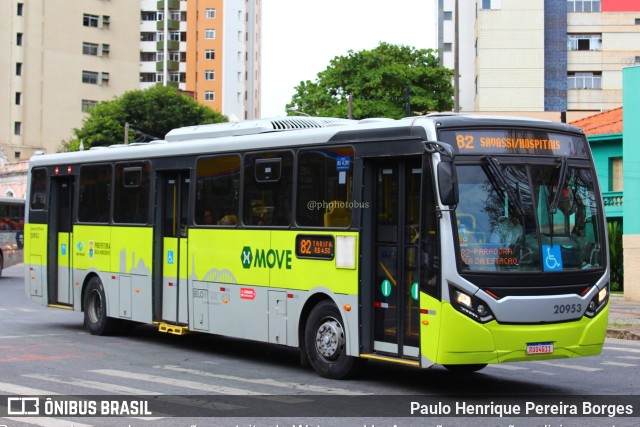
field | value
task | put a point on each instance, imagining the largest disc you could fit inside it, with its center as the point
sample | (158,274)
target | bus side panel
(35,263)
(132,258)
(430,321)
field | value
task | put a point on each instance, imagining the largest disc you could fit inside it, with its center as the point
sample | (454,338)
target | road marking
(625,365)
(629,357)
(543,373)
(506,367)
(575,367)
(26,391)
(625,349)
(47,422)
(268,382)
(11,337)
(198,386)
(111,388)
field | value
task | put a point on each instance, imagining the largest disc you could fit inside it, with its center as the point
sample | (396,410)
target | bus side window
(268,188)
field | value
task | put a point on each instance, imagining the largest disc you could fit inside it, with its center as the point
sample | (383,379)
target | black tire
(465,369)
(95,310)
(325,342)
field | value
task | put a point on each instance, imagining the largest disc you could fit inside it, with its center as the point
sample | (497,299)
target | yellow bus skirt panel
(464,341)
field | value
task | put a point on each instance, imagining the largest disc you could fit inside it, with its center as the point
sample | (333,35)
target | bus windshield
(515,217)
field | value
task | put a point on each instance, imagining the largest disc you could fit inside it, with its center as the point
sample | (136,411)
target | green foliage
(615,256)
(152,113)
(377,79)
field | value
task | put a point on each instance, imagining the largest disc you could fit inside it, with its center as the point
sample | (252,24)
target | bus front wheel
(95,310)
(325,342)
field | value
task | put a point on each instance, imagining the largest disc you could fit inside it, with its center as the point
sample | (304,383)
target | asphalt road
(216,381)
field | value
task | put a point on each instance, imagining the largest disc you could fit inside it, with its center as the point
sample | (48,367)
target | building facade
(62,57)
(541,55)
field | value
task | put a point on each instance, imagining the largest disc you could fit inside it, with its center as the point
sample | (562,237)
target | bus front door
(174,202)
(60,289)
(396,265)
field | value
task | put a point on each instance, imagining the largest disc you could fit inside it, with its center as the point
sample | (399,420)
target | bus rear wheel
(465,369)
(325,342)
(95,310)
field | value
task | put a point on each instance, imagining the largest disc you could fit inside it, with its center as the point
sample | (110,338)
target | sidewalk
(624,318)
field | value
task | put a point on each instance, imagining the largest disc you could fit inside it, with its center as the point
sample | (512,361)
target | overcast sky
(300,37)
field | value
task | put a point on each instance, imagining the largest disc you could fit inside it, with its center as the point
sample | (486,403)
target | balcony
(171,66)
(613,203)
(172,84)
(172,45)
(173,4)
(173,25)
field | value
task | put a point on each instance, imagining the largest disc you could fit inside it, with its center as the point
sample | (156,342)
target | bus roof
(285,132)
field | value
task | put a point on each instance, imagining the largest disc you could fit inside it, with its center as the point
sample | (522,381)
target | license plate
(540,348)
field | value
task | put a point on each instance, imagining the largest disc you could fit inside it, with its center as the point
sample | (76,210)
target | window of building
(209,54)
(210,33)
(448,16)
(218,190)
(211,13)
(95,193)
(18,68)
(175,36)
(88,103)
(19,39)
(148,37)
(174,77)
(448,47)
(17,128)
(637,21)
(106,20)
(615,174)
(491,4)
(148,16)
(131,195)
(209,95)
(583,6)
(89,48)
(90,77)
(20,9)
(147,57)
(268,188)
(175,15)
(18,98)
(324,180)
(584,42)
(148,77)
(106,48)
(90,20)
(584,80)
(209,75)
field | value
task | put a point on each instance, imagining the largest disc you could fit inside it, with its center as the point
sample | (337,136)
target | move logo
(271,258)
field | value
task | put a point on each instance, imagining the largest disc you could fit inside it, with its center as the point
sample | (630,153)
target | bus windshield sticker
(514,141)
(315,246)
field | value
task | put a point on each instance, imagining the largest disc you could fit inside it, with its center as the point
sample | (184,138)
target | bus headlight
(598,302)
(470,305)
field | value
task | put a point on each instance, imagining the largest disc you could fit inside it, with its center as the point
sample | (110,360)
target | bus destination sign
(315,246)
(514,141)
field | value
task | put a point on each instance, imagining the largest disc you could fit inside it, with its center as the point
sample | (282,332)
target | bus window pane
(324,187)
(38,189)
(131,195)
(217,194)
(95,193)
(268,203)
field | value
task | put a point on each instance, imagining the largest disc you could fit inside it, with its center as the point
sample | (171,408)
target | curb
(623,334)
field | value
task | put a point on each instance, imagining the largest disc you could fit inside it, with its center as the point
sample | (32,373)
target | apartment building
(210,49)
(64,56)
(60,58)
(541,55)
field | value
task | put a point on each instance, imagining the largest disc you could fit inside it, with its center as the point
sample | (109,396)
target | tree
(377,80)
(151,113)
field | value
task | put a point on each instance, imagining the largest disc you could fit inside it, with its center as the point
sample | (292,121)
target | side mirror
(447,177)
(447,183)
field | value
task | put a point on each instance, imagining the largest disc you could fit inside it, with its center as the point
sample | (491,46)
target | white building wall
(234,60)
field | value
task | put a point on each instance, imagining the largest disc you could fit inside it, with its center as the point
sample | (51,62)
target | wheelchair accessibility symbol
(552,257)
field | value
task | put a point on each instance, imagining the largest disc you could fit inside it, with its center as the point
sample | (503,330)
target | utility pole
(350,116)
(126,133)
(407,101)
(456,62)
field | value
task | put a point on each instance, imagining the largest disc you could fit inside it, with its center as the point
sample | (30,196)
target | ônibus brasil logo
(260,258)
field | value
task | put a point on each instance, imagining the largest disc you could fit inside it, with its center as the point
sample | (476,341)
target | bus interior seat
(337,216)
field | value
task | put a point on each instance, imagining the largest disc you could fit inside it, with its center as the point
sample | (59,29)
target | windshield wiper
(493,172)
(553,207)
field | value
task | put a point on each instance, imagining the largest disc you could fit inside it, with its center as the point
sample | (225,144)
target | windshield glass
(527,218)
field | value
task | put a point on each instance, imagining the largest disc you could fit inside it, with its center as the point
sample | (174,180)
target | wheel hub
(330,339)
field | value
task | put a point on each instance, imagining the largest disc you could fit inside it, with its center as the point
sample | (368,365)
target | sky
(301,37)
